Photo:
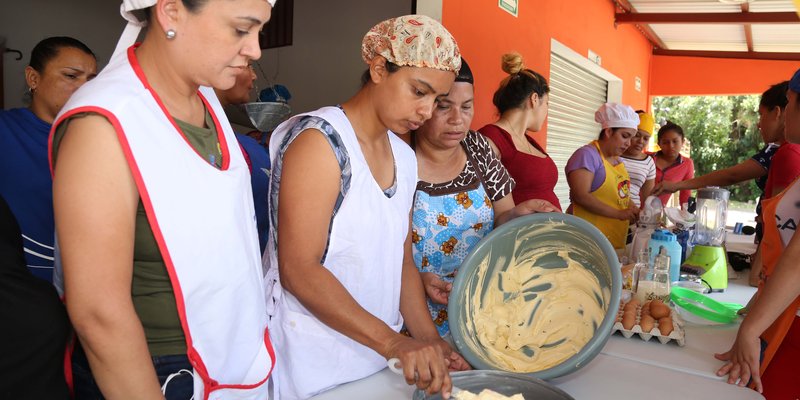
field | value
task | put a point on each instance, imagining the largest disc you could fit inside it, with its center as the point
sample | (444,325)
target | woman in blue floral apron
(462,194)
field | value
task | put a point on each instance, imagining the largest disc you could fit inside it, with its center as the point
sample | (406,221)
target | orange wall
(678,76)
(485,32)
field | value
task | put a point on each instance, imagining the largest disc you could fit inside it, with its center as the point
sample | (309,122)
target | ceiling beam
(648,32)
(708,18)
(750,55)
(748,28)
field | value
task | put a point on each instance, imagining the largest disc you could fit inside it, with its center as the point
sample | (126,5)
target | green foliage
(722,130)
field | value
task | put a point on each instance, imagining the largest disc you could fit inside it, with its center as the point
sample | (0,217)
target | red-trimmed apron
(204,223)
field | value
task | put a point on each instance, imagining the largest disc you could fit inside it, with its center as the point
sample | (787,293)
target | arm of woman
(304,215)
(684,196)
(746,170)
(646,190)
(417,318)
(95,200)
(505,210)
(779,292)
(580,184)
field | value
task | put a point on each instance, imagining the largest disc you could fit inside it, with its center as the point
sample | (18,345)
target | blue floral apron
(445,227)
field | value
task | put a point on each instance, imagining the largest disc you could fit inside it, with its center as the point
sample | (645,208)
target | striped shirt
(640,171)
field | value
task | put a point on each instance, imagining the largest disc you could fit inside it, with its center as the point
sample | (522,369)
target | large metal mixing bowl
(505,383)
(545,234)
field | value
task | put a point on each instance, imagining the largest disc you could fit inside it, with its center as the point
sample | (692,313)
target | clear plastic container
(654,283)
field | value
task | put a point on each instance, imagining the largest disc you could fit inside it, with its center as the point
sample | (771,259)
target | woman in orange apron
(599,186)
(774,315)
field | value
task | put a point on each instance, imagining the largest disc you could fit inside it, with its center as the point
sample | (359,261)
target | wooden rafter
(708,18)
(753,55)
(646,30)
(748,28)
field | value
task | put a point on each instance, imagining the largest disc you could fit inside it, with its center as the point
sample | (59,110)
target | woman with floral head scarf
(340,272)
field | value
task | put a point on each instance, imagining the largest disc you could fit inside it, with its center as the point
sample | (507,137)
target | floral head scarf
(412,40)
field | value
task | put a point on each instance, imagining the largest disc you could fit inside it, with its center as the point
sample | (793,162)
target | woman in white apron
(463,192)
(154,217)
(340,273)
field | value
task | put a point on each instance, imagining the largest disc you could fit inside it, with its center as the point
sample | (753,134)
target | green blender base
(711,263)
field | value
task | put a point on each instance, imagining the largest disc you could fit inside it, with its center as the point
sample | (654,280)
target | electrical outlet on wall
(595,58)
(637,84)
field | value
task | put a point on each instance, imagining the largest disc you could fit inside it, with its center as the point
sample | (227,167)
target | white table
(625,368)
(606,377)
(702,341)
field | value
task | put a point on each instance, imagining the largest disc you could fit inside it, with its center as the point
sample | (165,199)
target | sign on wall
(511,6)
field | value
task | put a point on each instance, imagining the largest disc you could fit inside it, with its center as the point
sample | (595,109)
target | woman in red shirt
(522,100)
(670,164)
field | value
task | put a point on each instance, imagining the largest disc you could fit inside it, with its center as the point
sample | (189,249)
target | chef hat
(133,12)
(646,122)
(794,84)
(613,115)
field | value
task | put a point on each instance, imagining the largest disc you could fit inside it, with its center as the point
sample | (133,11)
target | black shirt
(33,324)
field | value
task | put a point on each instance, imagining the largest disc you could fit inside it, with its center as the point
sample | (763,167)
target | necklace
(510,128)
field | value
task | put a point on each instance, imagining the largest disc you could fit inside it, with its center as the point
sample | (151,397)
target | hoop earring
(171,34)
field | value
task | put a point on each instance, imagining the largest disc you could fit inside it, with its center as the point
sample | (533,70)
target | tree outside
(722,130)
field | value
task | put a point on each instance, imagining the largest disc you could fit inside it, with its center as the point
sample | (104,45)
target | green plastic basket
(705,307)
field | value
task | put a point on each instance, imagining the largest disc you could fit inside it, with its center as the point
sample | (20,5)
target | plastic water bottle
(662,238)
(683,240)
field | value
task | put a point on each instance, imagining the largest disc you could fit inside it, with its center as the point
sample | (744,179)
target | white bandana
(131,11)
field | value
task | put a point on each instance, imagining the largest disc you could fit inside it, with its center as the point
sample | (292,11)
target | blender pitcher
(712,213)
(708,258)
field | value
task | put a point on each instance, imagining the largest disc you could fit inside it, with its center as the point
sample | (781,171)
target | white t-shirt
(639,171)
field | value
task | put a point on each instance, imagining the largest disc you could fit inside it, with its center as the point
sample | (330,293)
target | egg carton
(678,333)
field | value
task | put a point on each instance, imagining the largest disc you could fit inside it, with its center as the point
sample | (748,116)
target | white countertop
(626,368)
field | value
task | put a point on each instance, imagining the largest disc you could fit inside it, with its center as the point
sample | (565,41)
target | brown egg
(647,322)
(659,310)
(632,305)
(656,302)
(665,326)
(628,321)
(645,311)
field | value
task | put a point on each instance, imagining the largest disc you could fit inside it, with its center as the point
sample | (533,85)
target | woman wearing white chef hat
(158,255)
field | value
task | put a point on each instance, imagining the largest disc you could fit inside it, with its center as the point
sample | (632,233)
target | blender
(708,258)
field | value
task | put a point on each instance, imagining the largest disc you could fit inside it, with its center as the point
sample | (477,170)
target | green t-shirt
(151,288)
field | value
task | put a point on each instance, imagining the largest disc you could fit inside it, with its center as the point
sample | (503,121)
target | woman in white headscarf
(154,215)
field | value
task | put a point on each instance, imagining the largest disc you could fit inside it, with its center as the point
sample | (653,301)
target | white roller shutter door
(575,94)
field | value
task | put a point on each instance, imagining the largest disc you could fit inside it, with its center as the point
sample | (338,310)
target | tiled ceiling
(720,36)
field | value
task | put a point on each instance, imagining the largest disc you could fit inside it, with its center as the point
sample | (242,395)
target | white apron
(365,253)
(213,263)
